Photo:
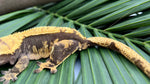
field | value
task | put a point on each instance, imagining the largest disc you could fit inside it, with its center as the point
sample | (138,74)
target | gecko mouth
(4,59)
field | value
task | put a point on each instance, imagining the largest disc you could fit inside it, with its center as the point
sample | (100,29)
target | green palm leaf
(100,18)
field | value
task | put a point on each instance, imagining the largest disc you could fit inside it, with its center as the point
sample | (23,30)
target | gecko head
(8,46)
(3,56)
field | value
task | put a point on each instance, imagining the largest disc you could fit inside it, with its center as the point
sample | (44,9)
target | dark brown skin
(56,44)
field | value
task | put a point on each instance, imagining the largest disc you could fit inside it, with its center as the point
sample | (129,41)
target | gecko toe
(6,82)
(2,79)
(4,72)
(38,63)
(53,70)
(7,77)
(37,71)
(14,78)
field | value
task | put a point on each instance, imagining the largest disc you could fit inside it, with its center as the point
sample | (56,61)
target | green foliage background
(104,18)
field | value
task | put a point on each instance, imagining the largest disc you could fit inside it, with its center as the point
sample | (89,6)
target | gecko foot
(47,65)
(7,77)
(39,69)
(4,72)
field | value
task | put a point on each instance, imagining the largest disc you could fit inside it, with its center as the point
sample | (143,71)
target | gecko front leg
(11,74)
(61,50)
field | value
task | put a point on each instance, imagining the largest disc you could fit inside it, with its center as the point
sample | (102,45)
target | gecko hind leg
(11,74)
(62,50)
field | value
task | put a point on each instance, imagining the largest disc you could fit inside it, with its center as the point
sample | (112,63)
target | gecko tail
(126,51)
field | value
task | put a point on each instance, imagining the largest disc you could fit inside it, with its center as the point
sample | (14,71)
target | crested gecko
(56,44)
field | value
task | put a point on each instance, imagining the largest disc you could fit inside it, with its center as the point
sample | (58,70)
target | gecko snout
(4,59)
